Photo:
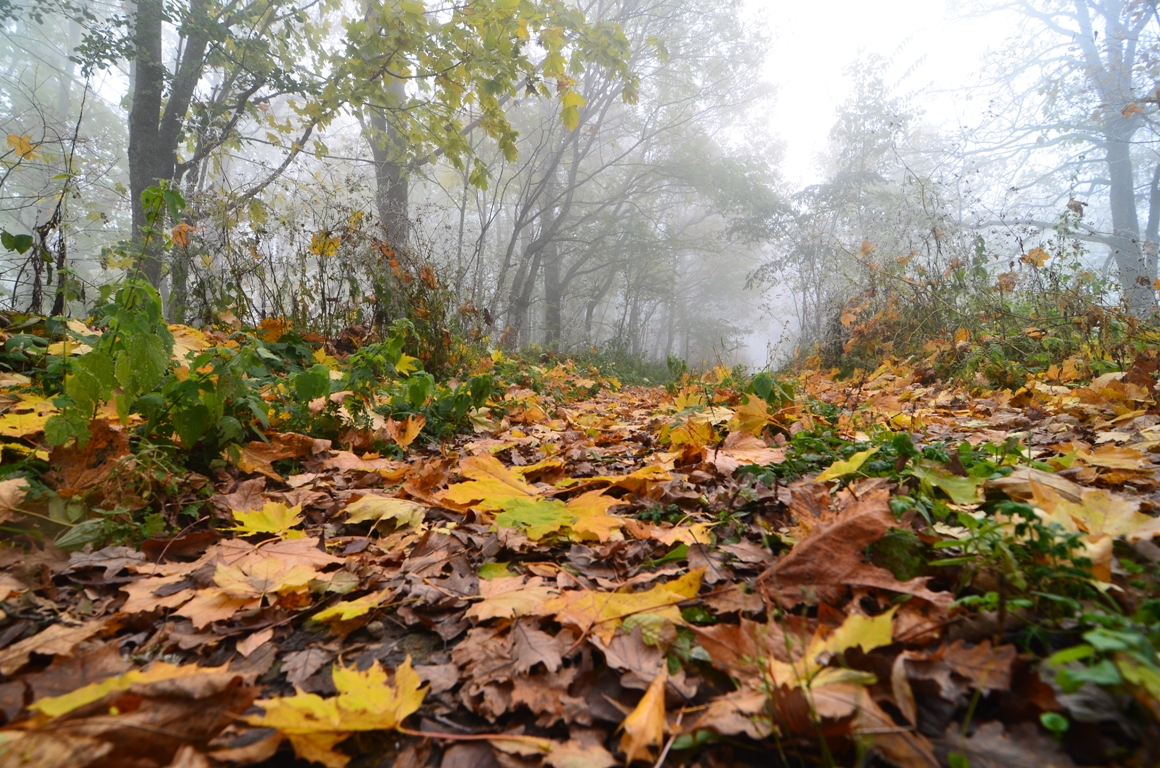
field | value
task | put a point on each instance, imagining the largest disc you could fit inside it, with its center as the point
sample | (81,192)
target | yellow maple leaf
(27,417)
(186,340)
(695,433)
(751,417)
(1102,515)
(644,728)
(407,364)
(365,702)
(602,612)
(380,508)
(275,517)
(590,516)
(23,146)
(688,398)
(490,485)
(635,481)
(258,578)
(845,466)
(509,597)
(352,609)
(324,244)
(1036,257)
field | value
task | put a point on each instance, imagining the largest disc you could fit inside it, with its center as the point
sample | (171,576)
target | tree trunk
(553,297)
(154,135)
(1127,250)
(392,191)
(147,156)
(520,299)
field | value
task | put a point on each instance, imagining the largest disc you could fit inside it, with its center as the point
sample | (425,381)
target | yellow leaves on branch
(22,145)
(324,244)
(1036,257)
(366,701)
(180,234)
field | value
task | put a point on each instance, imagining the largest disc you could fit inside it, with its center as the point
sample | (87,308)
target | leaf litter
(632,576)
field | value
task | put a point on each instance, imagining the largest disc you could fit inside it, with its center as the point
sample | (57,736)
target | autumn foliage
(538,566)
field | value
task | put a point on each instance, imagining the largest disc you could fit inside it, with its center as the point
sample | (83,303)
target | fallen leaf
(352,609)
(506,598)
(603,612)
(845,467)
(576,754)
(380,508)
(404,432)
(831,557)
(252,642)
(12,493)
(740,449)
(644,728)
(490,485)
(365,702)
(259,456)
(535,517)
(274,517)
(590,518)
(56,640)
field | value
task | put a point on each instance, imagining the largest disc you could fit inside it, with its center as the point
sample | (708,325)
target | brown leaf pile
(587,585)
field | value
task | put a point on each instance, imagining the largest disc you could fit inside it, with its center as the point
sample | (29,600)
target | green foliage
(1038,563)
(130,359)
(17,243)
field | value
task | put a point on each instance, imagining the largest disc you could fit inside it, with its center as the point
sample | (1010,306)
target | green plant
(1031,563)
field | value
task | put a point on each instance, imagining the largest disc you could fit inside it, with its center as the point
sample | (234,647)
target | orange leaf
(404,432)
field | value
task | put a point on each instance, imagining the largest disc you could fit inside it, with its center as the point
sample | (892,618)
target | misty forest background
(592,177)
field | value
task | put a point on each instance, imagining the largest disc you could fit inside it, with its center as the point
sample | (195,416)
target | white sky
(933,53)
(814,42)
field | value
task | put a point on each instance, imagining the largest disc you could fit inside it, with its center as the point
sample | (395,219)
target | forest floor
(876,570)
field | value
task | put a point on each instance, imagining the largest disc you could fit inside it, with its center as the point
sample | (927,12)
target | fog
(735,183)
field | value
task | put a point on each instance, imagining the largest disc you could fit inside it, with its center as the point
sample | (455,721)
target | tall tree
(1079,93)
(409,67)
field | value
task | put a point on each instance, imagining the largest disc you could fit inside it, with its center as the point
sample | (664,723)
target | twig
(669,744)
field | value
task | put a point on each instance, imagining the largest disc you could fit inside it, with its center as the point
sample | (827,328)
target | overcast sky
(814,42)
